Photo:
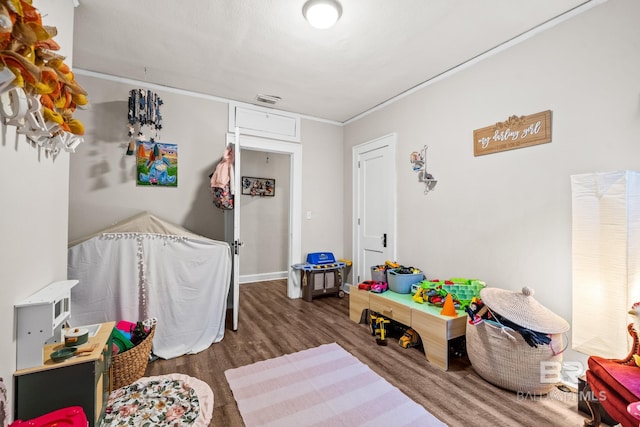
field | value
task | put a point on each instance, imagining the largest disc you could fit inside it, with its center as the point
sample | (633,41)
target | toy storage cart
(321,275)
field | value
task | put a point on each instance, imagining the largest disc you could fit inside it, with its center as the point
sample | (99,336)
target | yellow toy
(420,295)
(409,339)
(381,322)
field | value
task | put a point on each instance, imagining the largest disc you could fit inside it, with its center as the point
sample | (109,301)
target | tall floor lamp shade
(605,260)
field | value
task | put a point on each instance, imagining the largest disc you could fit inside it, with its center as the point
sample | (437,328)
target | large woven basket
(130,365)
(511,363)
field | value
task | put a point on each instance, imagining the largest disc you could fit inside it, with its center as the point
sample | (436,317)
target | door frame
(294,150)
(389,201)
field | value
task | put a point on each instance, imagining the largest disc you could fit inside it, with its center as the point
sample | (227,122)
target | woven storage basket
(130,365)
(511,363)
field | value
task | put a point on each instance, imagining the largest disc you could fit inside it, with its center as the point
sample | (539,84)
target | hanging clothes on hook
(222,181)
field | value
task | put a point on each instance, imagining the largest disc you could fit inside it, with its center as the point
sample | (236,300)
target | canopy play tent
(145,267)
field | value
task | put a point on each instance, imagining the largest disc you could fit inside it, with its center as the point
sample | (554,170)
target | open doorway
(294,252)
(264,199)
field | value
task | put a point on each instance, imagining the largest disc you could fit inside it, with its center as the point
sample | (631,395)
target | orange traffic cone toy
(448,309)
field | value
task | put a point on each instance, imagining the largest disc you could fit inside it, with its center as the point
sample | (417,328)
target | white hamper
(501,355)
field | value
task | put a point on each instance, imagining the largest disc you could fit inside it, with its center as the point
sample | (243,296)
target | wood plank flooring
(272,325)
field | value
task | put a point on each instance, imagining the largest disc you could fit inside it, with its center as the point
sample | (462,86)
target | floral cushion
(160,401)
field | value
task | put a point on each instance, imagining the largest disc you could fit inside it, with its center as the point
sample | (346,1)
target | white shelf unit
(39,320)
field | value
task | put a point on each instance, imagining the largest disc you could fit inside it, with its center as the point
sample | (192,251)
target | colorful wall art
(157,164)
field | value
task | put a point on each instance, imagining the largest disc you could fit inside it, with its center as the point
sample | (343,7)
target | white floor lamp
(605,260)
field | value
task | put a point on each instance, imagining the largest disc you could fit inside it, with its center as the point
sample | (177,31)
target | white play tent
(146,267)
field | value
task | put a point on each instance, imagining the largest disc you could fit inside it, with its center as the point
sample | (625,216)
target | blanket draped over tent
(146,267)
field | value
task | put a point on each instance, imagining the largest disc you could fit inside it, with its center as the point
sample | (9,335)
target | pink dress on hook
(222,181)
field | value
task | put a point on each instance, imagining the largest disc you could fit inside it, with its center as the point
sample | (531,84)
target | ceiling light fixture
(322,13)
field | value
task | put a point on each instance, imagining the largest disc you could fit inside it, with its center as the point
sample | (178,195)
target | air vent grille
(268,99)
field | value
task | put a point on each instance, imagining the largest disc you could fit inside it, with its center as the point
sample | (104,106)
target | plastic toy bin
(401,283)
(378,274)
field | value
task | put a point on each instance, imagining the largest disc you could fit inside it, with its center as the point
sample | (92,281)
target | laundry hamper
(501,355)
(130,365)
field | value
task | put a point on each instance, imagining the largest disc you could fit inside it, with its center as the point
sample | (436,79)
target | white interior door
(374,204)
(232,235)
(237,238)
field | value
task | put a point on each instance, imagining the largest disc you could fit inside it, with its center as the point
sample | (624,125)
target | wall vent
(268,99)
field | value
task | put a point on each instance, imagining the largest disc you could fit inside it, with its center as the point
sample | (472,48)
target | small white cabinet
(39,321)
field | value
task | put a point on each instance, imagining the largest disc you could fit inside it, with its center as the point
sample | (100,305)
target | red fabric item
(125,326)
(73,416)
(616,386)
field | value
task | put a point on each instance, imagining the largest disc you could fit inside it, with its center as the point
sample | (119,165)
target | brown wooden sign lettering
(515,132)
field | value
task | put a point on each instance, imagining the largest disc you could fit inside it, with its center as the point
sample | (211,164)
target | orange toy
(448,309)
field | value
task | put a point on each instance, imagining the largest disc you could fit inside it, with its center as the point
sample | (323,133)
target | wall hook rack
(419,164)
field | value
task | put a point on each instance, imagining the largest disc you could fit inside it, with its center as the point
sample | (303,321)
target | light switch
(308,214)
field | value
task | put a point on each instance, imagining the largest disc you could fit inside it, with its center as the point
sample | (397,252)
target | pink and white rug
(321,386)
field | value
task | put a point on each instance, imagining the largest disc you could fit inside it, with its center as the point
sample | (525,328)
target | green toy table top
(407,299)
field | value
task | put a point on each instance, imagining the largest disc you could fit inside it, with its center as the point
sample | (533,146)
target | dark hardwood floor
(272,325)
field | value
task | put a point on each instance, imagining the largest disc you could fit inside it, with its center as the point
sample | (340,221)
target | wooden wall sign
(515,132)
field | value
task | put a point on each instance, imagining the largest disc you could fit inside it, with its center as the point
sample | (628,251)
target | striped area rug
(321,386)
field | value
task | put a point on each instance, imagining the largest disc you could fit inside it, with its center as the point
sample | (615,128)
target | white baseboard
(263,277)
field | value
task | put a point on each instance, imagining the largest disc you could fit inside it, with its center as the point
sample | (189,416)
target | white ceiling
(236,49)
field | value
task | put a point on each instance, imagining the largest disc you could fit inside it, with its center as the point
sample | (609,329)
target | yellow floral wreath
(27,48)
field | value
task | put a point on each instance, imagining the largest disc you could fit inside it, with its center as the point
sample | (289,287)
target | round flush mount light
(322,13)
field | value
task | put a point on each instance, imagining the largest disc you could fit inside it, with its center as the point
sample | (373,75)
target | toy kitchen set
(48,356)
(40,321)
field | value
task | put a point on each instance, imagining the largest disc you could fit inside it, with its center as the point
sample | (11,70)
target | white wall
(323,186)
(506,218)
(102,179)
(33,217)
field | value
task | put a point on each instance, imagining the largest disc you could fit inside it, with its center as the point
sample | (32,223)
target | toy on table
(435,292)
(448,309)
(379,287)
(375,286)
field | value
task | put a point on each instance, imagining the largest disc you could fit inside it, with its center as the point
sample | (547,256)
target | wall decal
(515,132)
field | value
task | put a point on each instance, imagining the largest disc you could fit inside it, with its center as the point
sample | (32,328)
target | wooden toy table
(434,329)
